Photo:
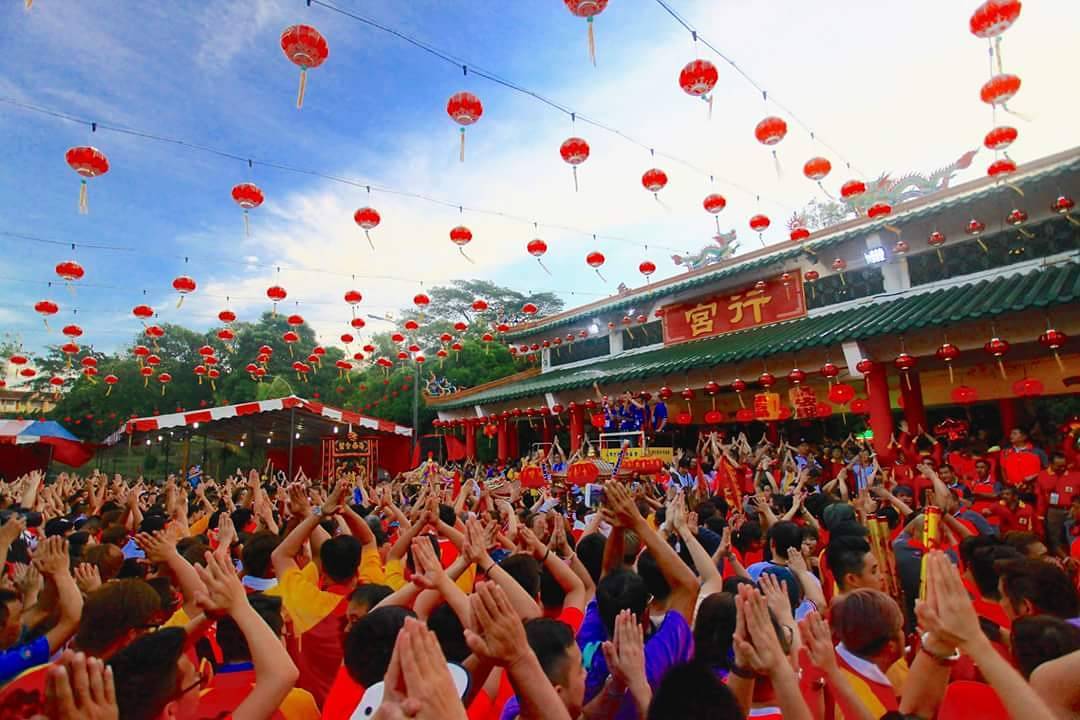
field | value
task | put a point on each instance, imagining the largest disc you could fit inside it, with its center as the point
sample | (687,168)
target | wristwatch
(317,511)
(943,659)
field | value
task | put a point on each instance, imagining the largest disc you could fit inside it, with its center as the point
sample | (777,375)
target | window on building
(855,284)
(578,350)
(643,335)
(1001,249)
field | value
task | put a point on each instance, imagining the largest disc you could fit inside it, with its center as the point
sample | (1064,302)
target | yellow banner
(611,454)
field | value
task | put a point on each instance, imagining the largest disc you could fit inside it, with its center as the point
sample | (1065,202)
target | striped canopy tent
(281,426)
(27,445)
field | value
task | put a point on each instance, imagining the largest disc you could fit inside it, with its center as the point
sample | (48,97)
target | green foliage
(88,412)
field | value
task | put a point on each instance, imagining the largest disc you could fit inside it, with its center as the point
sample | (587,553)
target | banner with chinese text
(763,303)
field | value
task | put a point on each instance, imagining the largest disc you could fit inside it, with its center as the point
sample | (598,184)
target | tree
(816,215)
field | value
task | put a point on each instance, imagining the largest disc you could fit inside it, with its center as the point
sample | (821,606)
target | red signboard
(763,303)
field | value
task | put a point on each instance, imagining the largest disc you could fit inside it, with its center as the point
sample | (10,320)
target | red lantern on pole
(996,348)
(248,196)
(587,9)
(464,108)
(461,236)
(368,219)
(537,247)
(87,162)
(184,285)
(46,308)
(654,180)
(574,151)
(306,48)
(595,260)
(698,78)
(277,294)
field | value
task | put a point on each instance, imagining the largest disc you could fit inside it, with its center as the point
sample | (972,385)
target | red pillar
(877,395)
(1007,409)
(548,431)
(914,411)
(514,444)
(577,428)
(772,431)
(503,440)
(470,441)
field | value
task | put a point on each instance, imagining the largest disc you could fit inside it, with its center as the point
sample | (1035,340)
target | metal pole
(292,432)
(415,409)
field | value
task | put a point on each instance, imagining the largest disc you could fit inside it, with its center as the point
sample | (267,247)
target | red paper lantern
(184,285)
(164,378)
(841,393)
(461,236)
(759,223)
(227,316)
(142,312)
(665,393)
(1063,205)
(154,331)
(595,260)
(247,196)
(353,297)
(684,418)
(860,406)
(738,385)
(1000,137)
(964,395)
(1000,168)
(994,17)
(796,376)
(647,268)
(770,131)
(799,233)
(294,320)
(817,168)
(87,162)
(305,48)
(226,335)
(714,417)
(712,388)
(996,348)
(879,209)
(45,308)
(72,331)
(479,305)
(839,265)
(587,9)
(464,108)
(905,362)
(654,180)
(529,308)
(999,89)
(421,300)
(744,415)
(276,293)
(698,78)
(852,188)
(811,276)
(936,239)
(537,247)
(1017,217)
(574,151)
(766,380)
(1028,387)
(70,270)
(368,219)
(947,354)
(714,203)
(864,366)
(28,372)
(823,409)
(110,380)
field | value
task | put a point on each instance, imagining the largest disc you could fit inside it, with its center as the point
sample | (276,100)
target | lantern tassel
(629,333)
(892,229)
(1072,221)
(599,275)
(1014,113)
(951,378)
(843,281)
(541,263)
(1014,188)
(303,87)
(200,379)
(1060,364)
(708,100)
(247,228)
(1026,233)
(180,301)
(84,203)
(907,380)
(1001,367)
(776,165)
(997,54)
(574,169)
(461,157)
(146,381)
(372,245)
(108,391)
(592,42)
(46,321)
(290,350)
(213,387)
(827,194)
(462,251)
(941,255)
(163,391)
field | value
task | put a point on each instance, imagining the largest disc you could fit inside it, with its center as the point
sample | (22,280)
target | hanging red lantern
(744,415)
(57,382)
(461,236)
(140,352)
(759,223)
(421,300)
(712,388)
(155,332)
(276,293)
(994,17)
(796,376)
(879,209)
(1028,387)
(227,316)
(110,380)
(964,395)
(770,131)
(1053,340)
(595,260)
(766,380)
(27,372)
(460,326)
(647,268)
(87,162)
(905,363)
(89,362)
(294,320)
(353,297)
(852,188)
(464,108)
(70,270)
(799,233)
(816,169)
(72,331)
(1000,137)
(183,285)
(865,366)
(164,378)
(248,196)
(70,349)
(698,78)
(1001,168)
(587,9)
(947,354)
(840,265)
(368,219)
(860,406)
(46,308)
(574,151)
(821,410)
(714,203)
(226,335)
(841,393)
(18,360)
(529,308)
(714,417)
(537,247)
(200,371)
(830,371)
(654,181)
(999,89)
(142,312)
(479,305)
(290,338)
(305,48)
(996,348)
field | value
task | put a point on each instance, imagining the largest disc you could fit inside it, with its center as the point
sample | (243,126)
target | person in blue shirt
(659,416)
(51,560)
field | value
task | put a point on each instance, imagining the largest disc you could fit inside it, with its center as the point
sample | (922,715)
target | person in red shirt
(1056,486)
(1011,513)
(984,488)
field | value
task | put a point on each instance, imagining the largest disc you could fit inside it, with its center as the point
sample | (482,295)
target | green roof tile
(1057,284)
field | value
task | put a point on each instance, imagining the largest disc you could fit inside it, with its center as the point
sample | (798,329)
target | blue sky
(890,90)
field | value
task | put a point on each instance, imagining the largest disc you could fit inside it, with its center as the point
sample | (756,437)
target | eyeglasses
(205,675)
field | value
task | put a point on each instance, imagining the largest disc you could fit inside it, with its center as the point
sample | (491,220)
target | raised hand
(429,572)
(298,500)
(224,592)
(51,556)
(87,578)
(476,544)
(777,598)
(617,499)
(159,545)
(818,640)
(500,635)
(947,612)
(80,688)
(626,654)
(12,529)
(757,645)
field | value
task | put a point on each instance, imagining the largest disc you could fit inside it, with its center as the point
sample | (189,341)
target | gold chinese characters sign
(763,303)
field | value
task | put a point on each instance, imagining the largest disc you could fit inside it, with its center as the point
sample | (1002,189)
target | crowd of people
(744,579)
